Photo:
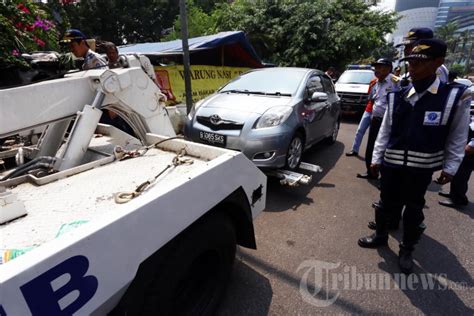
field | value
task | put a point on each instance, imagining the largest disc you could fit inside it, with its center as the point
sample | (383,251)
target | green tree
(122,21)
(459,69)
(447,34)
(199,23)
(310,33)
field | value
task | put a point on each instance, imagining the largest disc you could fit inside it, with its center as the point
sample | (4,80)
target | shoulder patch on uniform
(395,79)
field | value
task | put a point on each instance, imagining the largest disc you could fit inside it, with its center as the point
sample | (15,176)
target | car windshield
(358,77)
(283,82)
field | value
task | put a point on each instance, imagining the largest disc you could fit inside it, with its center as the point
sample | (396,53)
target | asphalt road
(308,261)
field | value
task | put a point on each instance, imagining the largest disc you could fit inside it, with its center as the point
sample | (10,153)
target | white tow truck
(109,223)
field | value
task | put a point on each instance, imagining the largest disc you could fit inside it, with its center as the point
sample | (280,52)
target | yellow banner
(205,80)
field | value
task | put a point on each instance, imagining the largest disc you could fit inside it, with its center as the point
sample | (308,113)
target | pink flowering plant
(24,27)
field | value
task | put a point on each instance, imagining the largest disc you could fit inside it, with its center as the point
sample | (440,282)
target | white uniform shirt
(443,73)
(92,60)
(379,92)
(457,137)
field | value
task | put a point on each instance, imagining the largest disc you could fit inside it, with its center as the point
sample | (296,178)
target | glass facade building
(452,9)
(419,13)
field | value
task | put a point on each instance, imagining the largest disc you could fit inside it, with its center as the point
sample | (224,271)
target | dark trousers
(375,124)
(404,187)
(458,187)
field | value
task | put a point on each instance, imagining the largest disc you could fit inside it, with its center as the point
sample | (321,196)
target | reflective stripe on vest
(449,105)
(425,166)
(414,164)
(414,158)
(394,156)
(391,101)
(395,162)
(430,155)
(395,151)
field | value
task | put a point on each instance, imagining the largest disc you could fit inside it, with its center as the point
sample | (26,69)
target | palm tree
(446,33)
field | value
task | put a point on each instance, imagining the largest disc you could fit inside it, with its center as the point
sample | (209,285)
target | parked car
(271,115)
(353,88)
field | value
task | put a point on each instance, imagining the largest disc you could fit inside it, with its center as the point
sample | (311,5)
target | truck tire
(193,278)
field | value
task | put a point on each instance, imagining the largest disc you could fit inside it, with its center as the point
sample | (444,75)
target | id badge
(432,118)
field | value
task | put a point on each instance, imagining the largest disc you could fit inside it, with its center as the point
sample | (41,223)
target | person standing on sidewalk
(364,122)
(424,130)
(386,82)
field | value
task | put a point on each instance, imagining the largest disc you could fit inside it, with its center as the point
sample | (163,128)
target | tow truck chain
(178,160)
(122,154)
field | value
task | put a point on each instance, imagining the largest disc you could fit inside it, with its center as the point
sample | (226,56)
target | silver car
(271,115)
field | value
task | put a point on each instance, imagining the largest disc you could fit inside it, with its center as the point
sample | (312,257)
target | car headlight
(194,109)
(274,116)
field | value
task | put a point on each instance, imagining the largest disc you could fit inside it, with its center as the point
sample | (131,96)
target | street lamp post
(186,66)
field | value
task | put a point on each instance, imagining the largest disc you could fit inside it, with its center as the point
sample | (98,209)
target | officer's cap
(72,35)
(382,61)
(427,49)
(416,34)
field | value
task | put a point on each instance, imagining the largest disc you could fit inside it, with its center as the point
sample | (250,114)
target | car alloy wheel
(295,151)
(335,131)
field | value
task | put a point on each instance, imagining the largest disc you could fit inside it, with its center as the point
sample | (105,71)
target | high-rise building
(419,13)
(386,5)
(452,9)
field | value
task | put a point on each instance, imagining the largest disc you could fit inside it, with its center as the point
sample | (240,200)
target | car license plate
(213,138)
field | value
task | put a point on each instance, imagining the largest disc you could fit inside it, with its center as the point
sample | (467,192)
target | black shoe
(444,194)
(373,241)
(372,225)
(352,153)
(451,203)
(391,226)
(376,205)
(405,260)
(366,176)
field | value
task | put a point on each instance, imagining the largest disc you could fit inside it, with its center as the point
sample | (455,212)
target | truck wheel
(192,280)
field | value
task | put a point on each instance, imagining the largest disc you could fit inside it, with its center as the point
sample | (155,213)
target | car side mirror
(319,97)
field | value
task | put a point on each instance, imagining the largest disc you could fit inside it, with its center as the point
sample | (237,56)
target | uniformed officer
(78,45)
(442,72)
(414,35)
(424,129)
(386,82)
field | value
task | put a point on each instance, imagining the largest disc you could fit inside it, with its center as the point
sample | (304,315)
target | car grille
(353,98)
(221,125)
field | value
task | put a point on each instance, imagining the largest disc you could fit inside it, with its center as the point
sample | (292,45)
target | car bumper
(266,147)
(352,107)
